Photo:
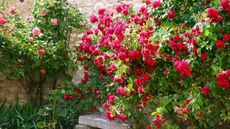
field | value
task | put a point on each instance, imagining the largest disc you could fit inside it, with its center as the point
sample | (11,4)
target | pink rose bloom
(36,31)
(182,25)
(43,13)
(3,21)
(54,21)
(31,39)
(12,9)
(28,18)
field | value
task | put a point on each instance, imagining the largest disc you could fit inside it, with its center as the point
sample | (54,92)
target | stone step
(83,127)
(99,121)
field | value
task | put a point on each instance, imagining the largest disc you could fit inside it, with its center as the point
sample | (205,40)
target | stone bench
(98,122)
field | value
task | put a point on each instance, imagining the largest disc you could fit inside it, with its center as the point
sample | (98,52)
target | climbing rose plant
(163,66)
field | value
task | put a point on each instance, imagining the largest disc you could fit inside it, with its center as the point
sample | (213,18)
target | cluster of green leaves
(51,115)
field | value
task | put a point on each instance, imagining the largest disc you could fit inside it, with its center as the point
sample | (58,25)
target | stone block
(99,121)
(82,127)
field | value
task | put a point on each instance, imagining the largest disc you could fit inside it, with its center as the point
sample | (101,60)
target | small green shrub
(55,115)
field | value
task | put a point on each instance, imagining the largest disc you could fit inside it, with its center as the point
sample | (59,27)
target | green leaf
(206,33)
(41,125)
(215,69)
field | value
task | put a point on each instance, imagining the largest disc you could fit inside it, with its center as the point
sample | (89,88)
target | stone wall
(10,89)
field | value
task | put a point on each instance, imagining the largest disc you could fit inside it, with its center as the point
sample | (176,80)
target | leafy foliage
(169,59)
(35,49)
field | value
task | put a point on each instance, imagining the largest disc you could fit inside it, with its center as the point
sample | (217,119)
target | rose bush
(38,51)
(163,66)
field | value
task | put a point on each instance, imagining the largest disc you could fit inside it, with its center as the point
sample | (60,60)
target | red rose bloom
(222,79)
(204,90)
(165,73)
(86,68)
(122,56)
(204,3)
(224,4)
(67,97)
(42,71)
(145,76)
(86,77)
(122,117)
(203,57)
(148,126)
(110,99)
(182,68)
(176,38)
(157,120)
(184,109)
(219,44)
(134,55)
(226,37)
(94,108)
(121,91)
(78,90)
(171,14)
(3,21)
(156,3)
(119,8)
(106,106)
(41,51)
(93,19)
(213,14)
(101,11)
(109,116)
(101,78)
